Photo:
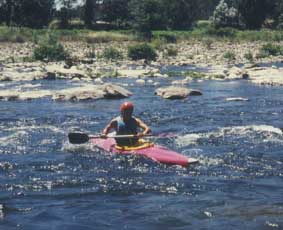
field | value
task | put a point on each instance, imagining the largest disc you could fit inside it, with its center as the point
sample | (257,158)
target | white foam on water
(18,136)
(269,133)
(87,147)
(188,139)
(13,138)
(35,127)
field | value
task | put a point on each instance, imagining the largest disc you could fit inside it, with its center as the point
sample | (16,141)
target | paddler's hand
(140,135)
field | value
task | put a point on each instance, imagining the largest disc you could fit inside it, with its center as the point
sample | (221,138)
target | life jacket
(126,128)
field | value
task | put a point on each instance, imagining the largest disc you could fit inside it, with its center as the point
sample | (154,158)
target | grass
(202,31)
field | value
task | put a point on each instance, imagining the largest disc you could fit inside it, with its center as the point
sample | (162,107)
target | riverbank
(193,52)
(220,57)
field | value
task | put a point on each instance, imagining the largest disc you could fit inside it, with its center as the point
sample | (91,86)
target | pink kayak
(155,152)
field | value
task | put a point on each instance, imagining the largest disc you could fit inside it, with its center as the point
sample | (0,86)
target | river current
(47,183)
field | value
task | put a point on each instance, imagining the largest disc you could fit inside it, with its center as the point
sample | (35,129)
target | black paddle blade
(78,138)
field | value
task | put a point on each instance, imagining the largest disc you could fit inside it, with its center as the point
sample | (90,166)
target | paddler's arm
(141,124)
(112,125)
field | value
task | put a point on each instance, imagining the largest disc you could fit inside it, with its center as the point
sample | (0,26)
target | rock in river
(173,92)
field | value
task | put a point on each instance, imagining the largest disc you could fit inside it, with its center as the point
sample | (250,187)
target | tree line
(142,15)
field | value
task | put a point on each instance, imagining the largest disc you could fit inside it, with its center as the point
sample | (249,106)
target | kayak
(150,150)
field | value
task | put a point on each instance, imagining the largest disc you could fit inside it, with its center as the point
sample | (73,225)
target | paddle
(80,138)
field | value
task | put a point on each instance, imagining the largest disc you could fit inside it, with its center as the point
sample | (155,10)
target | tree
(115,11)
(35,13)
(145,16)
(181,13)
(30,13)
(65,12)
(254,12)
(225,16)
(277,14)
(88,13)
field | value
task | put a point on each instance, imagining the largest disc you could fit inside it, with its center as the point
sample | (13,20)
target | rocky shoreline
(84,69)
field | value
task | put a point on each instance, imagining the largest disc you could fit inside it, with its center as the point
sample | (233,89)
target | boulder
(173,92)
(115,91)
(59,70)
(266,76)
(195,92)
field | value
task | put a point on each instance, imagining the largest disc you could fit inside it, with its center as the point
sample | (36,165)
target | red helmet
(127,106)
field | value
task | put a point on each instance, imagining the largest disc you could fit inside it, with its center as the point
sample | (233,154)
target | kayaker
(126,124)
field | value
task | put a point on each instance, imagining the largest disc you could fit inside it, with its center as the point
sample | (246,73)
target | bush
(91,52)
(50,49)
(171,52)
(271,49)
(112,53)
(142,51)
(230,56)
(169,38)
(159,44)
(207,42)
(222,32)
(249,56)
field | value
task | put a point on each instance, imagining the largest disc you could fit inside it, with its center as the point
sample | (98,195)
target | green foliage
(222,32)
(49,49)
(171,51)
(88,13)
(280,21)
(91,52)
(104,37)
(159,44)
(13,34)
(225,16)
(249,56)
(112,53)
(167,36)
(192,74)
(271,49)
(142,51)
(229,55)
(254,12)
(207,42)
(29,13)
(116,12)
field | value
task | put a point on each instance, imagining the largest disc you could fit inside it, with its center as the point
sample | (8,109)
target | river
(47,183)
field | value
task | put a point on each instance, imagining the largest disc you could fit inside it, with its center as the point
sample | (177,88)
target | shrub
(230,56)
(112,53)
(142,51)
(159,43)
(271,49)
(50,49)
(221,32)
(171,52)
(208,42)
(91,52)
(169,38)
(249,56)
